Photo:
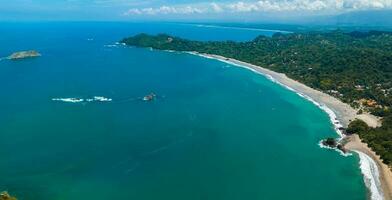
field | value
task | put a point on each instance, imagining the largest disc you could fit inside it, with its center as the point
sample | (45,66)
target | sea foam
(371,175)
(101,99)
(79,100)
(110,45)
(68,100)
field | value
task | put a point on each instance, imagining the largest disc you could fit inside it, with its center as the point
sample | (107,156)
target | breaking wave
(371,175)
(68,100)
(79,100)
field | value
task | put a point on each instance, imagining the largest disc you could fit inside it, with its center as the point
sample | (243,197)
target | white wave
(321,145)
(110,45)
(78,100)
(68,100)
(102,99)
(371,176)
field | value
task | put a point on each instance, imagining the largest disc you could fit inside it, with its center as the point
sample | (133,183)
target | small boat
(149,97)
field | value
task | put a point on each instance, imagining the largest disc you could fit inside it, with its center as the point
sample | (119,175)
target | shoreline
(341,114)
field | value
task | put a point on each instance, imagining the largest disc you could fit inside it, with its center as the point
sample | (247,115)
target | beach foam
(321,145)
(371,175)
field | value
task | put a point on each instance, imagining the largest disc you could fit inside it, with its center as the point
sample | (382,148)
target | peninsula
(347,72)
(23,54)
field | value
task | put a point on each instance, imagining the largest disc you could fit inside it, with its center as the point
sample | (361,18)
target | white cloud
(165,10)
(243,7)
(266,6)
(309,5)
(216,8)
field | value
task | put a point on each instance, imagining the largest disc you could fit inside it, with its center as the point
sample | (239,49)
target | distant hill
(380,20)
(359,20)
(365,18)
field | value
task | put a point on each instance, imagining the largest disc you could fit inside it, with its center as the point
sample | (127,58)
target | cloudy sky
(223,10)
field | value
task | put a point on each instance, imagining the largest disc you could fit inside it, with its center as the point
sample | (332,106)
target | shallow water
(215,131)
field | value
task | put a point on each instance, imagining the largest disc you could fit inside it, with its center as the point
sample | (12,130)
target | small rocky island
(23,54)
(336,144)
(5,196)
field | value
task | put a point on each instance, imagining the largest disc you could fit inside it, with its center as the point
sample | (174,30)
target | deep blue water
(215,131)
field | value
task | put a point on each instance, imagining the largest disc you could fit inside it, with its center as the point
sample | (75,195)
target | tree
(356,127)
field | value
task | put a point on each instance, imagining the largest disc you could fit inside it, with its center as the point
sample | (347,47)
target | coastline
(341,114)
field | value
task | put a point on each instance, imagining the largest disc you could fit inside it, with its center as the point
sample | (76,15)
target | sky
(187,10)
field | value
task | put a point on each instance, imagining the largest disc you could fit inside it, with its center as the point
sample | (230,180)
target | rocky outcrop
(335,144)
(5,196)
(24,54)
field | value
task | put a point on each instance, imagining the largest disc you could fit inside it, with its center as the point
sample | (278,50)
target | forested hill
(355,67)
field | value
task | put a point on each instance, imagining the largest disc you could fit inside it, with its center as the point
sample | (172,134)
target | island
(24,54)
(348,72)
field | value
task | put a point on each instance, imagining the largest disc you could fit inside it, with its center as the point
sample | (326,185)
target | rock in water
(330,142)
(6,196)
(24,54)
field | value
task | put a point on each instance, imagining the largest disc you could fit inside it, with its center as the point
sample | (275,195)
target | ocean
(214,131)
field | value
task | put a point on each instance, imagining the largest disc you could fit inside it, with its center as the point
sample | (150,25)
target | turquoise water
(215,131)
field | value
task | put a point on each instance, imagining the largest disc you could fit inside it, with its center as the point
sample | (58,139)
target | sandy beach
(342,114)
